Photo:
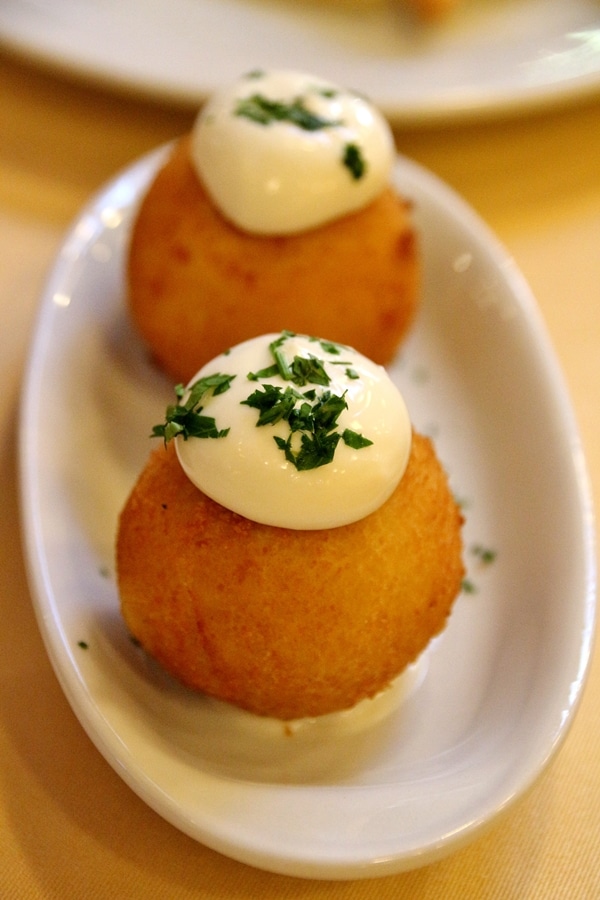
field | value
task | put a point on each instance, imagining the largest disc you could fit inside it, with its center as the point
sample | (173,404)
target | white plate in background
(388,787)
(489,58)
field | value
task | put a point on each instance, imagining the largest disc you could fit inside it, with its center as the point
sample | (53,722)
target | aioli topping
(280,152)
(292,431)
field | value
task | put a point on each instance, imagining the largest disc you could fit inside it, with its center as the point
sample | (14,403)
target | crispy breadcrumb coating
(197,284)
(280,622)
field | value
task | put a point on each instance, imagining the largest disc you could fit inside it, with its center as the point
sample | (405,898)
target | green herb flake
(186,419)
(354,440)
(312,416)
(300,370)
(484,554)
(315,450)
(354,161)
(468,587)
(269,372)
(217,383)
(352,374)
(283,367)
(308,370)
(273,402)
(83,644)
(328,346)
(263,111)
(327,409)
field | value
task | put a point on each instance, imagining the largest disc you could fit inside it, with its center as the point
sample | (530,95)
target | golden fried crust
(197,284)
(280,622)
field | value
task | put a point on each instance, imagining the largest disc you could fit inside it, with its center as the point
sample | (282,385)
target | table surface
(69,826)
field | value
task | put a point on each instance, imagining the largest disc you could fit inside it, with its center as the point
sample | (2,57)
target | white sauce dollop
(247,472)
(276,177)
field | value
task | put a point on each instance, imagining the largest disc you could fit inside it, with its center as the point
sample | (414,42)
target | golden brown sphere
(280,622)
(197,284)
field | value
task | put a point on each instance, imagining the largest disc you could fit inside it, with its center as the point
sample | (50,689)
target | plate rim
(292,864)
(463,104)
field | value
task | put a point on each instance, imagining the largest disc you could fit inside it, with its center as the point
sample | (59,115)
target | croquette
(280,622)
(197,283)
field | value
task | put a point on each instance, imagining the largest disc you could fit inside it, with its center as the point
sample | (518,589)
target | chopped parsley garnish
(301,370)
(186,418)
(283,367)
(354,161)
(309,370)
(273,402)
(484,554)
(312,415)
(263,111)
(355,440)
(315,450)
(485,557)
(329,346)
(269,372)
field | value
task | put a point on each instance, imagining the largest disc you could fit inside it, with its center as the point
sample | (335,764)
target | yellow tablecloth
(69,827)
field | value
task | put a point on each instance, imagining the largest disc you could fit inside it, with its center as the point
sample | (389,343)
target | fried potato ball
(280,622)
(193,275)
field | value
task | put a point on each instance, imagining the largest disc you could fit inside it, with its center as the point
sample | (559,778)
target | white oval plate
(489,58)
(387,787)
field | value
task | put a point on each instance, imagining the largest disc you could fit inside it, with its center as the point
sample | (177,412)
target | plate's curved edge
(30,531)
(538,330)
(89,717)
(459,109)
(434,106)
